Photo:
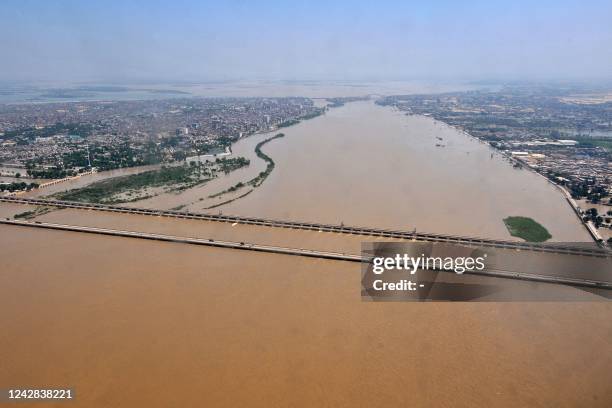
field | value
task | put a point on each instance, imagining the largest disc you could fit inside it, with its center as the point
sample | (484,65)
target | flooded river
(128,322)
(367,165)
(363,164)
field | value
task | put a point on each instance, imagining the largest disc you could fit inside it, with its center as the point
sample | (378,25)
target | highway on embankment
(340,229)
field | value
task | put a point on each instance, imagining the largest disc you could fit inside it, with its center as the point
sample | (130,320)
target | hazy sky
(198,40)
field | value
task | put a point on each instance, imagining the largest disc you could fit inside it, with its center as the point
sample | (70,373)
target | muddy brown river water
(131,323)
(363,164)
(127,322)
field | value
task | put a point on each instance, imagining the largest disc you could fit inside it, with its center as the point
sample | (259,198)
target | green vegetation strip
(292,122)
(527,229)
(256,182)
(174,178)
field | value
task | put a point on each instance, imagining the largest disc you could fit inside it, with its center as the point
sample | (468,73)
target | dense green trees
(255,182)
(18,186)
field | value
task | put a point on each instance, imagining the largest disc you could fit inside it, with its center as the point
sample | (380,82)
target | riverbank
(254,182)
(148,184)
(589,227)
(224,190)
(330,170)
(593,232)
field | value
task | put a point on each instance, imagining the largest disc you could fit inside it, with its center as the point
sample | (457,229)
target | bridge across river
(340,229)
(591,283)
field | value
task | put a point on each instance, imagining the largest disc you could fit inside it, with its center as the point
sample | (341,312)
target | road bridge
(294,251)
(340,229)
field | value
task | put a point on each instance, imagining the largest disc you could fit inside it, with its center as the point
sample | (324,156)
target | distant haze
(374,40)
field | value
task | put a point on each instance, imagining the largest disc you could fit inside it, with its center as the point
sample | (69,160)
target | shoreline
(228,152)
(597,238)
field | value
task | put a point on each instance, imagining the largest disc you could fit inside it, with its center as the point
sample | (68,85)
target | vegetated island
(256,181)
(527,229)
(144,185)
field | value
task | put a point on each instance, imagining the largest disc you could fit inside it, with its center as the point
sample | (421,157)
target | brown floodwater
(509,260)
(128,322)
(363,164)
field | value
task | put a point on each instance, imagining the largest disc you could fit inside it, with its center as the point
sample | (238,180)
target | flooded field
(159,324)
